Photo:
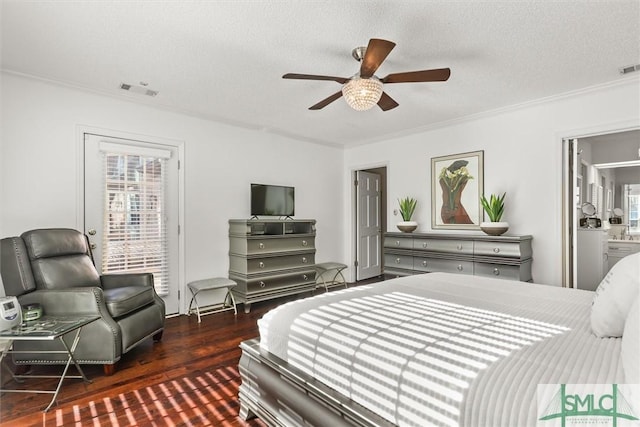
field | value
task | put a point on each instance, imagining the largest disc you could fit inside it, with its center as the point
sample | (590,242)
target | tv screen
(272,200)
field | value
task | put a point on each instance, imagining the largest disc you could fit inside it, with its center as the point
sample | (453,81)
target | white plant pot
(407,226)
(494,228)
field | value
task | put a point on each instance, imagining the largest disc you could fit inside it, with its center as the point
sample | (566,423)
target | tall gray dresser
(271,258)
(507,257)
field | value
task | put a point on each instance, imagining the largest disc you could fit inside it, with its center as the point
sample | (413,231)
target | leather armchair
(54,267)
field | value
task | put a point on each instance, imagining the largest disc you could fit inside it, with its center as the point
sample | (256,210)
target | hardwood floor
(189,378)
(187,350)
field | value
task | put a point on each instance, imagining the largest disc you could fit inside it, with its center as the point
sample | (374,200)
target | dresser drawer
(260,265)
(271,284)
(274,284)
(430,265)
(398,242)
(511,272)
(503,249)
(444,245)
(269,264)
(266,245)
(394,261)
(622,249)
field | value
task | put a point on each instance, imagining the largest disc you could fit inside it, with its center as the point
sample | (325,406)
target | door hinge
(178,295)
(178,228)
(178,164)
(355,182)
(355,263)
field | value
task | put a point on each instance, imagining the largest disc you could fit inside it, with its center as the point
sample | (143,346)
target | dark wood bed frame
(281,395)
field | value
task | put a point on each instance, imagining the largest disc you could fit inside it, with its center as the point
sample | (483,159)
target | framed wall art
(457,182)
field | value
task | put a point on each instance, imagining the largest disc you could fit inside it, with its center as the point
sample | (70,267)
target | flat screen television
(272,200)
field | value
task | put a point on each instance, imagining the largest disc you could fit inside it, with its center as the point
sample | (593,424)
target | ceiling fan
(364,90)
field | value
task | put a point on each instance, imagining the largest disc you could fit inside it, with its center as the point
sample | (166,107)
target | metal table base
(68,350)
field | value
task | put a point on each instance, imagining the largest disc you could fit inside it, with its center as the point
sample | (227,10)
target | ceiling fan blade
(386,102)
(436,75)
(326,101)
(341,80)
(376,53)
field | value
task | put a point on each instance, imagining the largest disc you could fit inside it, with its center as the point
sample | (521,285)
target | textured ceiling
(223,60)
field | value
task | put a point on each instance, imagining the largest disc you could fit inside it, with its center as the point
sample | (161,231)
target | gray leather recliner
(54,267)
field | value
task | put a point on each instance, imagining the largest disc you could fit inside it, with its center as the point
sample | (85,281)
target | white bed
(432,349)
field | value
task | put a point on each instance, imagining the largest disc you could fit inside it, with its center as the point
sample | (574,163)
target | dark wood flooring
(189,378)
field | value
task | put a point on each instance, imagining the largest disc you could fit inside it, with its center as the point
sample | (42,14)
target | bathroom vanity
(619,249)
(593,264)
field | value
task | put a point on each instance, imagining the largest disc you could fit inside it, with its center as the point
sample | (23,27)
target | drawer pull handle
(261,264)
(496,271)
(460,268)
(397,242)
(424,245)
(496,250)
(261,245)
(397,260)
(424,263)
(304,260)
(459,247)
(304,277)
(304,243)
(262,284)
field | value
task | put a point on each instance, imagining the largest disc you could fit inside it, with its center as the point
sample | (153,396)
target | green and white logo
(587,404)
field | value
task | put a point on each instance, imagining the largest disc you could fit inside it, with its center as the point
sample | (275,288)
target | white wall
(628,175)
(620,149)
(522,151)
(39,175)
(522,156)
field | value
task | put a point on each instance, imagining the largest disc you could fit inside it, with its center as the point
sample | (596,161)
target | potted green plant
(494,207)
(407,208)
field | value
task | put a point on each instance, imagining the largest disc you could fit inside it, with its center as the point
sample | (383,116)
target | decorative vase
(494,228)
(407,226)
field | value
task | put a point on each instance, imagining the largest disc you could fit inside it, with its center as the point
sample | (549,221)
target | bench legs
(334,281)
(229,303)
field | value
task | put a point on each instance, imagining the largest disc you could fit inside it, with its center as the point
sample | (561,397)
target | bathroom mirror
(588,209)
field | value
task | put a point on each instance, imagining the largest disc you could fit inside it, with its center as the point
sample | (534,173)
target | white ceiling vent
(629,69)
(140,90)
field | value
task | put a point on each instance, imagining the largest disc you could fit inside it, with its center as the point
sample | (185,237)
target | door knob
(92,232)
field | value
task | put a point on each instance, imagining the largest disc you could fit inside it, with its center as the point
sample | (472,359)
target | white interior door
(131,209)
(369,230)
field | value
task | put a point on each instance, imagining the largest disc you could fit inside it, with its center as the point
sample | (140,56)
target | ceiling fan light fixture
(362,94)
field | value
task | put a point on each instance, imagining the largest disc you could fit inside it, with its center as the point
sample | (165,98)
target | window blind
(134,237)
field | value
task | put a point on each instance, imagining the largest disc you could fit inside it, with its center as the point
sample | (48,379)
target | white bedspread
(444,349)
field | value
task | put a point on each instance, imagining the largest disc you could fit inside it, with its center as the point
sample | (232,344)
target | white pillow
(614,296)
(630,349)
(630,355)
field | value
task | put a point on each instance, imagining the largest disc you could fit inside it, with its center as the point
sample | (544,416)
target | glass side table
(47,328)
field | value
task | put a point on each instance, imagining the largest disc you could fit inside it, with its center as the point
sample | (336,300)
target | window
(632,207)
(134,230)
